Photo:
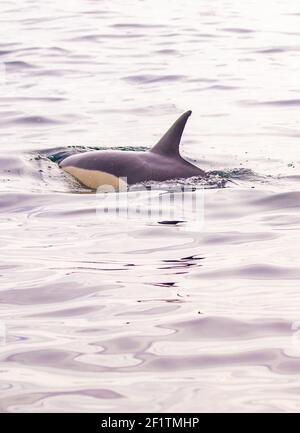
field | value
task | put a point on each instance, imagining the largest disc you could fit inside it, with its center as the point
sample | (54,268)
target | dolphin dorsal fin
(168,145)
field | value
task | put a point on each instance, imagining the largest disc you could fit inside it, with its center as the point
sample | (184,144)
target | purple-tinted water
(102,314)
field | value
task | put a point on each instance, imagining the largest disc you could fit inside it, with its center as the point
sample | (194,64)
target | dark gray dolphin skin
(121,168)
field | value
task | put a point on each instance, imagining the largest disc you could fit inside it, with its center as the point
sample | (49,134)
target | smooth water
(115,314)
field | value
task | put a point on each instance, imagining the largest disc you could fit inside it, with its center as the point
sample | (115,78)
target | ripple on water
(17,66)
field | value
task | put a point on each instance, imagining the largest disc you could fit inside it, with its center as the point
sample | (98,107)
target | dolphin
(119,169)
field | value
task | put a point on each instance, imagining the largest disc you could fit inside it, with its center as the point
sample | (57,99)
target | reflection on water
(101,314)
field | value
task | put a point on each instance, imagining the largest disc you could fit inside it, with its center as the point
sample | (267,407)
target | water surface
(102,314)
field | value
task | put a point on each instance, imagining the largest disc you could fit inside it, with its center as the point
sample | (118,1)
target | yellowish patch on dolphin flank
(94,179)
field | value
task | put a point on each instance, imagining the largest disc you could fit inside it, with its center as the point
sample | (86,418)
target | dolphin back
(58,157)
